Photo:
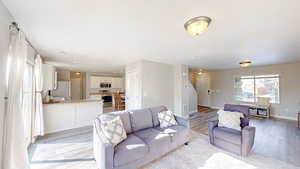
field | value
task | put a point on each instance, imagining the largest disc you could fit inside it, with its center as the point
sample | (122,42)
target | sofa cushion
(155,111)
(141,119)
(228,135)
(175,132)
(125,119)
(155,139)
(230,119)
(131,149)
(113,129)
(166,119)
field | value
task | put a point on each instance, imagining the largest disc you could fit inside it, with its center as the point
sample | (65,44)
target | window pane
(268,87)
(245,89)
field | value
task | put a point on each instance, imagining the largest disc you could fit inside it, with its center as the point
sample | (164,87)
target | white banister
(193,98)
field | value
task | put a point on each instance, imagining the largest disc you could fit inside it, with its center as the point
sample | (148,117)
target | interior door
(133,99)
(76,89)
(203,90)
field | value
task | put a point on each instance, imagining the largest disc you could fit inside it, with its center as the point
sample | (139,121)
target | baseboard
(216,107)
(193,111)
(204,106)
(284,117)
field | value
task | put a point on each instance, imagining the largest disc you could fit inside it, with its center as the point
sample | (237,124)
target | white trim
(206,105)
(216,107)
(193,111)
(284,117)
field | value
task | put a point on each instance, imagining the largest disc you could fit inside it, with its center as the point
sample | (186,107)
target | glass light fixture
(197,25)
(245,63)
(200,72)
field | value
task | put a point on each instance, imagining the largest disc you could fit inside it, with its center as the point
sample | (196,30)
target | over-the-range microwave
(105,85)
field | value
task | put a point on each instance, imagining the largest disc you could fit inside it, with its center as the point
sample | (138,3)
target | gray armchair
(239,142)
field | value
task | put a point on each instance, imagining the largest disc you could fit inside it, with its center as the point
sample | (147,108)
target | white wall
(133,71)
(157,84)
(5,20)
(222,83)
(181,93)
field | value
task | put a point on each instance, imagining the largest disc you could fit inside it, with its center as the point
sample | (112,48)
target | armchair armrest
(248,135)
(182,121)
(103,150)
(211,125)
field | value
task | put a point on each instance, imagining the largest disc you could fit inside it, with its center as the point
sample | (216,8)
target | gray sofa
(145,142)
(239,142)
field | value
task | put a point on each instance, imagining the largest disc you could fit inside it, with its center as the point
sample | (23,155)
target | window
(250,88)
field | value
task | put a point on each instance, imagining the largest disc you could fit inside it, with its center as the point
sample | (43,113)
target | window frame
(254,77)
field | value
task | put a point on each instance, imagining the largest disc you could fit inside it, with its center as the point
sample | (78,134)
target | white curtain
(14,146)
(28,100)
(38,128)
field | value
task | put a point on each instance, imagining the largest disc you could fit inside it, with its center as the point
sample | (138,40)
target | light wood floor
(279,139)
(276,138)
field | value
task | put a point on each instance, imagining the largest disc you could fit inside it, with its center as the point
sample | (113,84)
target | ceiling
(104,36)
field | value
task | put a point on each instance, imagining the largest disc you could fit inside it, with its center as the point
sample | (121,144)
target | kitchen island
(67,115)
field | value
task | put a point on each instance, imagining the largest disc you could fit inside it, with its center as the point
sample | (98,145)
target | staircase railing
(193,98)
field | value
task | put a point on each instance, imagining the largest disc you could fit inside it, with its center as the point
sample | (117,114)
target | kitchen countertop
(75,101)
(107,94)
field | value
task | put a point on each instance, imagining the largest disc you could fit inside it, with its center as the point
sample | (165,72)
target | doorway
(203,90)
(133,98)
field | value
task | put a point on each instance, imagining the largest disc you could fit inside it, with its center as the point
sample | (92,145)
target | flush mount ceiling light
(245,63)
(197,25)
(200,72)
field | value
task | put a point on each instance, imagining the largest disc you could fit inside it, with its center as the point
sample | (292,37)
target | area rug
(77,153)
(199,154)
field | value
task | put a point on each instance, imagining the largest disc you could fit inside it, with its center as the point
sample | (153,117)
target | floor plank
(275,138)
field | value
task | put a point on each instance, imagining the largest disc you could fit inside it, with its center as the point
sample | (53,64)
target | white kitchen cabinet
(59,117)
(106,79)
(65,116)
(49,77)
(95,82)
(116,82)
(87,113)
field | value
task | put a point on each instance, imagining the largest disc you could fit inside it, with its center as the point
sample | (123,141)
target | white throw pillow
(166,119)
(230,119)
(113,130)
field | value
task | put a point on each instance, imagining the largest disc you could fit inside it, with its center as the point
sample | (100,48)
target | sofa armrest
(182,121)
(103,150)
(248,135)
(211,125)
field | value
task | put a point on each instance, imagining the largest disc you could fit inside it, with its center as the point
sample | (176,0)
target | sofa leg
(187,143)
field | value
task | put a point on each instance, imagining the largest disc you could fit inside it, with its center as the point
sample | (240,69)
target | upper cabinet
(63,75)
(95,82)
(116,82)
(49,77)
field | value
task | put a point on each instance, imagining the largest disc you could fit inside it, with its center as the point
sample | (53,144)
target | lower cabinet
(65,116)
